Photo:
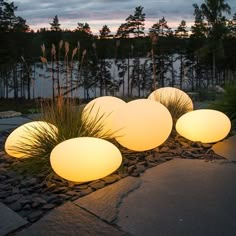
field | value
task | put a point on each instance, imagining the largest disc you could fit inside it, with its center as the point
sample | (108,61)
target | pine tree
(122,31)
(232,27)
(55,26)
(9,22)
(135,23)
(161,28)
(105,32)
(199,29)
(181,31)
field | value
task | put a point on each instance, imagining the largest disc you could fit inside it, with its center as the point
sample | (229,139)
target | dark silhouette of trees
(206,57)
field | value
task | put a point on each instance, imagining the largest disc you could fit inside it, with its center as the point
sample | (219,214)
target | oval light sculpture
(204,125)
(102,111)
(25,134)
(143,124)
(85,159)
(175,100)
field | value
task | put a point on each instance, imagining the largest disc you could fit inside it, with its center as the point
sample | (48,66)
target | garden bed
(32,196)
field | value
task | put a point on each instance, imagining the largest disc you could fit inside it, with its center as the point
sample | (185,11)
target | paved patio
(179,197)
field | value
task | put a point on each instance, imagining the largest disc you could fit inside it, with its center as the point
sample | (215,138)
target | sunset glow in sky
(96,13)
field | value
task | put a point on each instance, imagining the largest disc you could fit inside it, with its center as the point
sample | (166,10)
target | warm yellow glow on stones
(144,124)
(25,135)
(102,110)
(85,159)
(204,125)
(168,94)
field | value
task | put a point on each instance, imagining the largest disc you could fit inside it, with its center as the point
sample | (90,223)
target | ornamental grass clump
(65,114)
(177,104)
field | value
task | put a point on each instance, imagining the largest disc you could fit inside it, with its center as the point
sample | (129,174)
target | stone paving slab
(70,220)
(226,148)
(105,202)
(9,220)
(182,198)
(13,122)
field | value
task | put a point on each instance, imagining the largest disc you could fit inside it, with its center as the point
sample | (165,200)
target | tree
(181,31)
(212,11)
(84,27)
(161,28)
(20,25)
(8,21)
(55,26)
(199,29)
(80,26)
(105,32)
(232,27)
(135,23)
(122,31)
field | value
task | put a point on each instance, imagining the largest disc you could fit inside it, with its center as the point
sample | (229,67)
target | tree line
(206,53)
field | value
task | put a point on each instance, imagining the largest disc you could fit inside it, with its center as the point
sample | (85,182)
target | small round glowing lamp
(25,134)
(143,124)
(102,110)
(85,159)
(204,125)
(170,97)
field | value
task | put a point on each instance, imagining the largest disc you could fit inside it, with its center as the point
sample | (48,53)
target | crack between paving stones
(122,197)
(103,220)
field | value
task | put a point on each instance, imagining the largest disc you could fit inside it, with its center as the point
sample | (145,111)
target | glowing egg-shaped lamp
(25,134)
(143,124)
(85,159)
(102,111)
(204,125)
(177,101)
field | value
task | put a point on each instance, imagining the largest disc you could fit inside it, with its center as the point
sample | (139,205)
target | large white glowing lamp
(85,159)
(25,134)
(168,96)
(143,124)
(204,125)
(102,110)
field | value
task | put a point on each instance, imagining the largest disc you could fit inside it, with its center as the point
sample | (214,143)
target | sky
(96,13)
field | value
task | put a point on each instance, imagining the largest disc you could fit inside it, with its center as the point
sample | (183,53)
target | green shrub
(227,104)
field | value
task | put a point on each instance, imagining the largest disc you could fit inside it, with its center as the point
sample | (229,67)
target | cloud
(70,12)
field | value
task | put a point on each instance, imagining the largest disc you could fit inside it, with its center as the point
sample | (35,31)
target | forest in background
(207,52)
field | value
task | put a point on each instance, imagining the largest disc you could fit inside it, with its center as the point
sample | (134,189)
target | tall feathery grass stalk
(53,59)
(66,61)
(44,62)
(59,68)
(71,70)
(154,39)
(76,86)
